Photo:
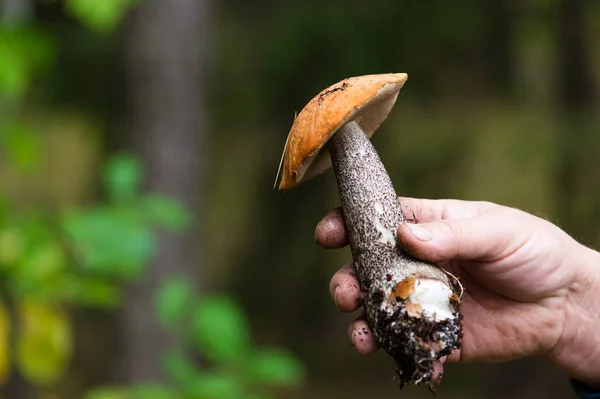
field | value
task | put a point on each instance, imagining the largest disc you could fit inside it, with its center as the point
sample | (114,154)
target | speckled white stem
(372,214)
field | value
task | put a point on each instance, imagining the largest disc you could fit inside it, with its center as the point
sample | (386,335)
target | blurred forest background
(143,251)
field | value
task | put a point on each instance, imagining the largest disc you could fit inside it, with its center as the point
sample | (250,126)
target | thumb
(478,238)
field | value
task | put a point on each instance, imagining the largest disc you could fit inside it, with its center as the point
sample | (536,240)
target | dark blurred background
(500,105)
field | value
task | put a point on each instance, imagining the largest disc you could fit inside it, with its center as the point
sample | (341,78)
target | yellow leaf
(4,344)
(44,342)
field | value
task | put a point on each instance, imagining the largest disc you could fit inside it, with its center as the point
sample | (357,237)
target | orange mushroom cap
(365,99)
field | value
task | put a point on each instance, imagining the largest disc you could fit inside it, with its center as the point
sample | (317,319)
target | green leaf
(274,367)
(42,261)
(36,273)
(41,258)
(215,385)
(88,291)
(220,330)
(109,243)
(175,301)
(43,343)
(22,148)
(179,368)
(123,177)
(11,246)
(166,212)
(100,16)
(23,52)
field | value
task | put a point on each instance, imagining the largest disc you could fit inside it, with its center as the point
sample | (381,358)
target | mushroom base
(399,314)
(414,341)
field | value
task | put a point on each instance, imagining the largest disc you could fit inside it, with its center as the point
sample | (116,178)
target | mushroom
(411,306)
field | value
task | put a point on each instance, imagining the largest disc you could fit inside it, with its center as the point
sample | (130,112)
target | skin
(530,288)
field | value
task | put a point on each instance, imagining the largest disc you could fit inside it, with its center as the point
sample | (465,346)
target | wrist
(577,352)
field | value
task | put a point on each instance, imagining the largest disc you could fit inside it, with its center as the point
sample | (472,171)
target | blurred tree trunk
(166,52)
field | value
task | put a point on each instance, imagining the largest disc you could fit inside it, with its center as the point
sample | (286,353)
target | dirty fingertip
(331,231)
(347,297)
(438,371)
(362,338)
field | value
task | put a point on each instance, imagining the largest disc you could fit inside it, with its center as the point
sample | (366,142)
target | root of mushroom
(416,322)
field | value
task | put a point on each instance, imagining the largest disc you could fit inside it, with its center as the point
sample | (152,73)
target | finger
(361,337)
(428,210)
(487,237)
(438,371)
(345,289)
(331,230)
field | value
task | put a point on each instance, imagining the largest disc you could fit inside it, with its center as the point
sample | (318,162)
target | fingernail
(420,232)
(335,296)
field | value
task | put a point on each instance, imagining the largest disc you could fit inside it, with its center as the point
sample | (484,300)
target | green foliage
(115,240)
(180,369)
(273,366)
(175,301)
(214,325)
(100,16)
(216,385)
(50,263)
(81,257)
(123,177)
(21,146)
(24,51)
(220,330)
(110,242)
(164,211)
(90,291)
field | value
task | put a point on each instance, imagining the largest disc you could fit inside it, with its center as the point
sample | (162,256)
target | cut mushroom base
(423,298)
(415,343)
(412,307)
(416,322)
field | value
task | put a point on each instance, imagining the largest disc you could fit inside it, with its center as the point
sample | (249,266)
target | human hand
(530,289)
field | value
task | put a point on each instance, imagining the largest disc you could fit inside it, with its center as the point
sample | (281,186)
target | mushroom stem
(411,306)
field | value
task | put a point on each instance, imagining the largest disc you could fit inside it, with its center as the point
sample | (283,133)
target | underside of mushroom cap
(365,99)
